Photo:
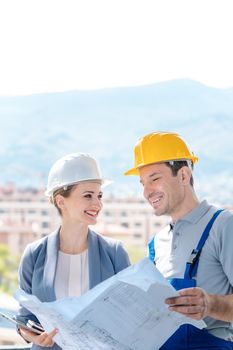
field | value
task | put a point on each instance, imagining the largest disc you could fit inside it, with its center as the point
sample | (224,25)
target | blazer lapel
(51,264)
(93,259)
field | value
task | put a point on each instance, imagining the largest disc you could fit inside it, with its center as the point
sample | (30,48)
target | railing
(15,347)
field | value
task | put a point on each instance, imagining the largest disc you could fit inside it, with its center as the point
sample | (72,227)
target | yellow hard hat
(159,147)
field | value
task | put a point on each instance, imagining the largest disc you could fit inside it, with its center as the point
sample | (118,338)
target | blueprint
(125,312)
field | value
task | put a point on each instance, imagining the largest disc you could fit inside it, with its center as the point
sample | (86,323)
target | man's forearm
(221,307)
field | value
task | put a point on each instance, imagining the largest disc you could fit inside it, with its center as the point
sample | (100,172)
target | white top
(72,275)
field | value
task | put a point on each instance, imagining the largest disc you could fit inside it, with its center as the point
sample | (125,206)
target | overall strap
(151,248)
(192,264)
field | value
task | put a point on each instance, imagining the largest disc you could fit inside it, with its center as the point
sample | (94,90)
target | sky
(61,45)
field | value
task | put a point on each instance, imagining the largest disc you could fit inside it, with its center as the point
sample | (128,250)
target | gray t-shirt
(173,247)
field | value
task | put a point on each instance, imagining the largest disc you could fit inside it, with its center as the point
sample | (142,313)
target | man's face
(163,191)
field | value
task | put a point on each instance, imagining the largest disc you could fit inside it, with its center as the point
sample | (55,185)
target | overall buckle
(194,256)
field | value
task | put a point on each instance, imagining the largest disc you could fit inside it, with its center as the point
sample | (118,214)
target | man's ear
(185,175)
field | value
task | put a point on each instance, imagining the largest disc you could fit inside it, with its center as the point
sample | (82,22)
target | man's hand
(192,302)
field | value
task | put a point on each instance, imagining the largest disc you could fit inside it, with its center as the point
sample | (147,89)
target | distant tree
(8,270)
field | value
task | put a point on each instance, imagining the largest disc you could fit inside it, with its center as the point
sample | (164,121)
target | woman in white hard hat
(73,259)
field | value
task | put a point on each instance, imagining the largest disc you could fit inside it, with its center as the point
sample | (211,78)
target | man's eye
(155,179)
(87,196)
(100,196)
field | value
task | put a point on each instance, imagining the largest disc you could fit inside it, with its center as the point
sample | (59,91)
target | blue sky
(60,45)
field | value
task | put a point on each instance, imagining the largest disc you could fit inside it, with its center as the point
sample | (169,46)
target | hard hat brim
(104,183)
(134,171)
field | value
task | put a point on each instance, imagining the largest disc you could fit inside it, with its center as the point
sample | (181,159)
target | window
(137,235)
(31,211)
(138,224)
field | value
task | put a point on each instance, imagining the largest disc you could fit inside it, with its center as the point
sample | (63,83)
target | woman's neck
(73,239)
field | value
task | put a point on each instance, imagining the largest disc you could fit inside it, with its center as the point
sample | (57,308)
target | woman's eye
(87,196)
(100,196)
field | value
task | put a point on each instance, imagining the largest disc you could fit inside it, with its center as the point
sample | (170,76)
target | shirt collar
(171,226)
(196,214)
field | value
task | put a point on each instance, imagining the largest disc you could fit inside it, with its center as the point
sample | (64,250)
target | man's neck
(186,208)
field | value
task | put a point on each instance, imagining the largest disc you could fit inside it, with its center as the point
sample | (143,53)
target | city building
(26,215)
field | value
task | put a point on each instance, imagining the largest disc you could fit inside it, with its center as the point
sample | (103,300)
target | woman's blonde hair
(64,192)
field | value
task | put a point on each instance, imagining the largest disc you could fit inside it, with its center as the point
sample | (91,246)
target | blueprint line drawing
(125,312)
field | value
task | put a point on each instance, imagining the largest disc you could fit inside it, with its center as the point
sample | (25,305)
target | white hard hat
(71,169)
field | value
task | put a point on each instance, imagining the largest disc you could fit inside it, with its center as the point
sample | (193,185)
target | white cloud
(217,188)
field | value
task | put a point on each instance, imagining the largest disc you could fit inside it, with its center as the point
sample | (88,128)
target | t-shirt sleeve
(225,247)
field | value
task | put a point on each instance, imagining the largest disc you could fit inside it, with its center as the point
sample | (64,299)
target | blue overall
(187,336)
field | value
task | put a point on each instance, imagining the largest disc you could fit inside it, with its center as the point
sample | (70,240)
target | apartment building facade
(26,215)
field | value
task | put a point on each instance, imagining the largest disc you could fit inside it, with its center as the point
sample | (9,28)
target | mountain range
(38,129)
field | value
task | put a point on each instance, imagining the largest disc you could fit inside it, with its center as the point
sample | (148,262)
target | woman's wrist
(18,330)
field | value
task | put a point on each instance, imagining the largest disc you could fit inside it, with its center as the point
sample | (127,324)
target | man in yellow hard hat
(195,252)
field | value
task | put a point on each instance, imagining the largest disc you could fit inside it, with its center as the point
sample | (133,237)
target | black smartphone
(37,330)
(34,326)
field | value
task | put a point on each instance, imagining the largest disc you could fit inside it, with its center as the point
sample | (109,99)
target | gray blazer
(37,268)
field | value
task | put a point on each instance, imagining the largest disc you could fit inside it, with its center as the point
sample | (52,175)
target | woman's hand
(43,339)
